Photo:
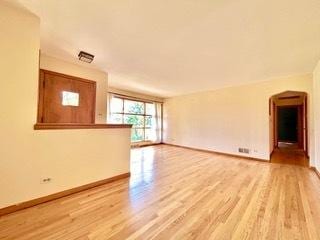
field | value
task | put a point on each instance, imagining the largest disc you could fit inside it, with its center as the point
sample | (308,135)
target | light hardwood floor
(289,154)
(176,193)
(295,157)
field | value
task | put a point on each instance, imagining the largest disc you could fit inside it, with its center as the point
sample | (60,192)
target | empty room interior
(160,119)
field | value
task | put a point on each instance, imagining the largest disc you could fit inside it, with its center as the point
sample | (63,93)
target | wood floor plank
(176,193)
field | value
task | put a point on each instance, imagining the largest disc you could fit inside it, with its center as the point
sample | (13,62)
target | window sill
(144,143)
(57,126)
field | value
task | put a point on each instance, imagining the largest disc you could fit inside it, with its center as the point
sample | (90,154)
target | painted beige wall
(70,157)
(226,119)
(57,65)
(316,95)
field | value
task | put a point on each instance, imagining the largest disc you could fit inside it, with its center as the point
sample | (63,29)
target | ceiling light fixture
(85,57)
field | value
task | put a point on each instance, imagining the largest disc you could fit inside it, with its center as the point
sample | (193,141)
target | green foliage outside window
(133,113)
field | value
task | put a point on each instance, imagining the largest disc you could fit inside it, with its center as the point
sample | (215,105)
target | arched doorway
(289,128)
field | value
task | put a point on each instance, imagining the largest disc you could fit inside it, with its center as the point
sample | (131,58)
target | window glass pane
(135,120)
(116,105)
(150,135)
(150,109)
(148,121)
(136,135)
(116,118)
(133,107)
(70,99)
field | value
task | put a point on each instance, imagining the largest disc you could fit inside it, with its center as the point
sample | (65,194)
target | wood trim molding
(316,171)
(57,126)
(126,97)
(289,97)
(66,76)
(221,153)
(37,201)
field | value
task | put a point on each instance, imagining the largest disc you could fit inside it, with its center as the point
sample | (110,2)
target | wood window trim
(135,114)
(133,98)
(42,73)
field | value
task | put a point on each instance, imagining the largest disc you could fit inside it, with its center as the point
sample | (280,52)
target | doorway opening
(288,128)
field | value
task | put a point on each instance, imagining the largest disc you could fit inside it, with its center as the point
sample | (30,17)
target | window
(70,99)
(146,123)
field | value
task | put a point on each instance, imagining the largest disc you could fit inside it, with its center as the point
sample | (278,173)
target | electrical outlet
(45,180)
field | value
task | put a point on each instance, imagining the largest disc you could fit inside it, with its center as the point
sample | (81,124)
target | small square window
(70,99)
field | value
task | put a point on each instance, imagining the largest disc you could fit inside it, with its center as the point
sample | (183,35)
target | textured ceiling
(168,48)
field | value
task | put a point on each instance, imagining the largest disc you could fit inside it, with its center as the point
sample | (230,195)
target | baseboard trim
(37,201)
(271,154)
(316,171)
(220,153)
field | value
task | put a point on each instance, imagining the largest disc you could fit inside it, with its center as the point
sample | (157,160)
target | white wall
(226,119)
(70,157)
(316,99)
